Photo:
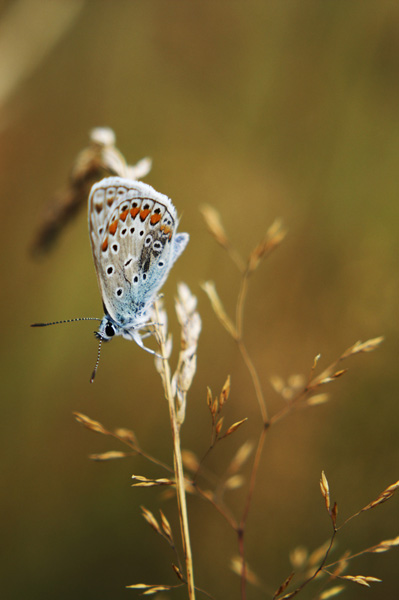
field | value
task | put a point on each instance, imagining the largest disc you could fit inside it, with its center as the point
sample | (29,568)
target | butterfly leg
(139,341)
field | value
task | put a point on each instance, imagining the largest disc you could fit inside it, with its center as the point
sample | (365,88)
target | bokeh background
(264,110)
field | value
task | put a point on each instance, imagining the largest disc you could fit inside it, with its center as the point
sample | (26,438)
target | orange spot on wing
(123,215)
(134,211)
(113,226)
(144,214)
(104,245)
(155,218)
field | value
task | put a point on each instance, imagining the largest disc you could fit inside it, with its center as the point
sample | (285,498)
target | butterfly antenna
(65,321)
(97,361)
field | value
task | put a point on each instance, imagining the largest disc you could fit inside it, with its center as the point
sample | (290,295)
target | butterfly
(134,240)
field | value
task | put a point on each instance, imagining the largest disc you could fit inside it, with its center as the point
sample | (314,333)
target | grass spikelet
(151,520)
(190,460)
(213,221)
(110,455)
(241,457)
(234,427)
(383,497)
(361,579)
(274,236)
(90,423)
(283,586)
(325,490)
(331,592)
(385,545)
(140,481)
(218,308)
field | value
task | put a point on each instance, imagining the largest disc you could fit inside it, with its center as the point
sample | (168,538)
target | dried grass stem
(178,463)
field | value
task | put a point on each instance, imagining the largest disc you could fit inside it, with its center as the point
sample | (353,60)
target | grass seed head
(214,224)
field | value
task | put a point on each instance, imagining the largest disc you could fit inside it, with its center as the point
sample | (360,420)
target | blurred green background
(262,109)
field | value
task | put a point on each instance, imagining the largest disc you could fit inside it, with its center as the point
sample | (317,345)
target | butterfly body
(135,244)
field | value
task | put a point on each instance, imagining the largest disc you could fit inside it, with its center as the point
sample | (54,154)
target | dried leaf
(334,591)
(383,497)
(90,423)
(283,586)
(111,455)
(234,427)
(216,303)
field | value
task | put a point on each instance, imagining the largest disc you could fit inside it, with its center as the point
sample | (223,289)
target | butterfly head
(107,329)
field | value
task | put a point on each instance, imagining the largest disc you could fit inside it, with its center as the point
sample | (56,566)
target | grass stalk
(178,465)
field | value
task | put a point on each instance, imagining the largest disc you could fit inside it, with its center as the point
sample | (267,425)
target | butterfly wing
(134,243)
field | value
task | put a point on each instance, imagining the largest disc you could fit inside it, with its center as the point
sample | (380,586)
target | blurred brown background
(262,109)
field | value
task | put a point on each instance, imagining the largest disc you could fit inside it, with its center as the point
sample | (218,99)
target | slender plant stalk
(242,294)
(179,473)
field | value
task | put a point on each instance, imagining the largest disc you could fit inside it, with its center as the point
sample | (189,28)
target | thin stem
(251,489)
(139,452)
(220,508)
(255,468)
(319,568)
(242,294)
(255,380)
(236,258)
(178,464)
(240,534)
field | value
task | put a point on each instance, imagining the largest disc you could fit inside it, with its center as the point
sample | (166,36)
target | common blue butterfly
(135,244)
(134,241)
